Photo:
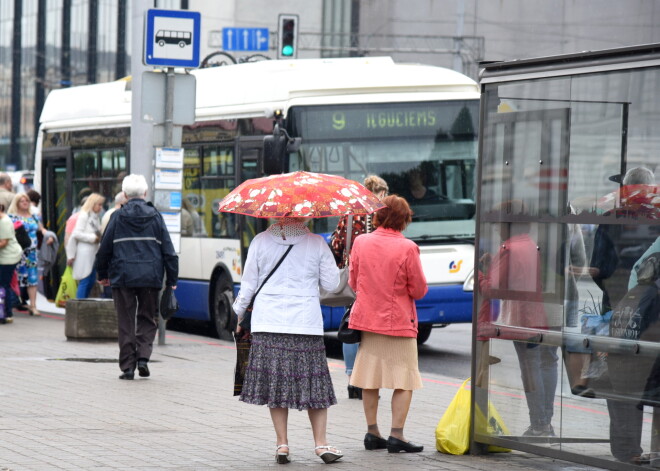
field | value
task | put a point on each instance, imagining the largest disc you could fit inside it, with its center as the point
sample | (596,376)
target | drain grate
(87,360)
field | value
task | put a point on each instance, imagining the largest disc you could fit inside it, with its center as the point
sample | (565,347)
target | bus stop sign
(172,38)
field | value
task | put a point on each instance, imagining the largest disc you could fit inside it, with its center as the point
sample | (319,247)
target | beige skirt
(388,362)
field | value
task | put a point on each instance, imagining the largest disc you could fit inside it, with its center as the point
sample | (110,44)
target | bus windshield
(426,151)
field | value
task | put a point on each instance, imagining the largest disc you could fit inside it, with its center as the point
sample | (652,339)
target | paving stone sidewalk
(63,408)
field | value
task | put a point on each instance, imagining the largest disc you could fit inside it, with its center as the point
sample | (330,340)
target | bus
(410,124)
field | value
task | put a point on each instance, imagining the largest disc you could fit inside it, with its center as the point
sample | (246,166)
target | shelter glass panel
(569,276)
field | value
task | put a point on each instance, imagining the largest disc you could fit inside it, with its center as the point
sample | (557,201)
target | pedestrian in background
(386,274)
(6,191)
(287,367)
(135,253)
(28,275)
(10,255)
(120,200)
(35,199)
(83,244)
(361,225)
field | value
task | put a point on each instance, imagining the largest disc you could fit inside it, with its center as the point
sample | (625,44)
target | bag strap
(272,271)
(349,237)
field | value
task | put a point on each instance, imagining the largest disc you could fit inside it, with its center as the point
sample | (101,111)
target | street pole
(142,132)
(169,142)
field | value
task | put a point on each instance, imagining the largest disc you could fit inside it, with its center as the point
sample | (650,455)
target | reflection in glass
(513,276)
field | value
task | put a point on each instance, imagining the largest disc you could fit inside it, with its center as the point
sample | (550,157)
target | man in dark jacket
(135,251)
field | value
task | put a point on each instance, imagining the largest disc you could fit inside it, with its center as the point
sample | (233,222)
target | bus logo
(455,267)
(182,38)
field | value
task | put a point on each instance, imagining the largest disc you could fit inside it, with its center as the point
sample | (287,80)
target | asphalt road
(447,352)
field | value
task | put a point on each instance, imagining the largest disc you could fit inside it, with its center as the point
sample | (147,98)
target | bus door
(56,202)
(249,154)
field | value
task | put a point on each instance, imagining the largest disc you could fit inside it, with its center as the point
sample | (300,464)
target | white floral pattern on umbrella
(300,194)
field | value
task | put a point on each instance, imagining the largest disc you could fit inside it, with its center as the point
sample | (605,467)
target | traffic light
(288,37)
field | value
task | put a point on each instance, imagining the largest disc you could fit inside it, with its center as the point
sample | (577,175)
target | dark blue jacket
(136,248)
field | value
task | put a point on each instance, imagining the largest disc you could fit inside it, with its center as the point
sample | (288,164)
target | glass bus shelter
(567,309)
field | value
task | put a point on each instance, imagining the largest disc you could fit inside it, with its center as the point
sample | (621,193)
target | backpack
(22,236)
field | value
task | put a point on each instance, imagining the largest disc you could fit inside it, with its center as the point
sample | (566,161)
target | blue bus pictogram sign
(172,38)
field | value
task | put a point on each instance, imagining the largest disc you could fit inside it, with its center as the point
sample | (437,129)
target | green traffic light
(287,50)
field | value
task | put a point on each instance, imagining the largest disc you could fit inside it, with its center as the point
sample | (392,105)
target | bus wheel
(222,315)
(161,43)
(182,44)
(423,333)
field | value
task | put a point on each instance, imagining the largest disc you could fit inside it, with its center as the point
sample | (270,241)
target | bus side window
(218,180)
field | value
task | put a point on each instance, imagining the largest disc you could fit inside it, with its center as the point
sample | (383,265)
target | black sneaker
(533,432)
(143,369)
(127,374)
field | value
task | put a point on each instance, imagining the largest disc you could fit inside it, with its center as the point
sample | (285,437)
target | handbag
(345,334)
(168,303)
(243,345)
(22,236)
(246,322)
(344,294)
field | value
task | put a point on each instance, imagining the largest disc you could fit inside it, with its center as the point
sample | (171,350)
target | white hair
(134,186)
(120,198)
(639,176)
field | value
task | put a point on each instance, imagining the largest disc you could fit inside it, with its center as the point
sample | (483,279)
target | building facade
(47,44)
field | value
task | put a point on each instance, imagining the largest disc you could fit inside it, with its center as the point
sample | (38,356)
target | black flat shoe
(394,445)
(127,374)
(143,369)
(374,442)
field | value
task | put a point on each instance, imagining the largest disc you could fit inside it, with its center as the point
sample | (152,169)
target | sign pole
(169,142)
(171,39)
(169,108)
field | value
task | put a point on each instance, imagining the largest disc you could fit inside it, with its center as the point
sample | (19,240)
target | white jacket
(83,245)
(289,302)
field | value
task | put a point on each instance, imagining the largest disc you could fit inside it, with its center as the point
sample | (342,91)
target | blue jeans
(538,370)
(6,273)
(350,352)
(85,285)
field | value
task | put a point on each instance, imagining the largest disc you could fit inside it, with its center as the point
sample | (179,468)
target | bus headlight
(469,282)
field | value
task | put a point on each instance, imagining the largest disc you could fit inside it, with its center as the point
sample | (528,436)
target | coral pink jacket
(386,275)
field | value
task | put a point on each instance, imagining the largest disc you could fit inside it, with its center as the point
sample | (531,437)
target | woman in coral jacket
(386,274)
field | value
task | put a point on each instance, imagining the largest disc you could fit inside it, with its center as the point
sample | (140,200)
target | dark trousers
(137,323)
(625,429)
(6,274)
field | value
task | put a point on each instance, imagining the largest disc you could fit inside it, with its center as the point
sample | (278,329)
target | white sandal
(281,458)
(329,456)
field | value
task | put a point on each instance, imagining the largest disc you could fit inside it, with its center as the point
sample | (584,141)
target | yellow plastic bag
(452,435)
(68,288)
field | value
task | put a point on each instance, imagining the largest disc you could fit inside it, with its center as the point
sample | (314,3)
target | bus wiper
(446,238)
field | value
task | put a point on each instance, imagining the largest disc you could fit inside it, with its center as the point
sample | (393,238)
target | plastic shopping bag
(491,425)
(452,435)
(68,288)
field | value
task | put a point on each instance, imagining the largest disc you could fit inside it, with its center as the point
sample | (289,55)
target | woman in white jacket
(84,243)
(287,368)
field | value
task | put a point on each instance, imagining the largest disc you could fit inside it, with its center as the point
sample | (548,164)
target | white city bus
(355,116)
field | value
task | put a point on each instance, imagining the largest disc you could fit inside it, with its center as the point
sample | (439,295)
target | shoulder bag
(246,322)
(344,294)
(345,334)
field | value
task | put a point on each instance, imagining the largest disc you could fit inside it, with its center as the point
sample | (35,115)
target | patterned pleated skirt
(288,371)
(384,361)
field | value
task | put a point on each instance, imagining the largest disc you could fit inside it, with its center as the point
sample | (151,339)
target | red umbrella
(300,194)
